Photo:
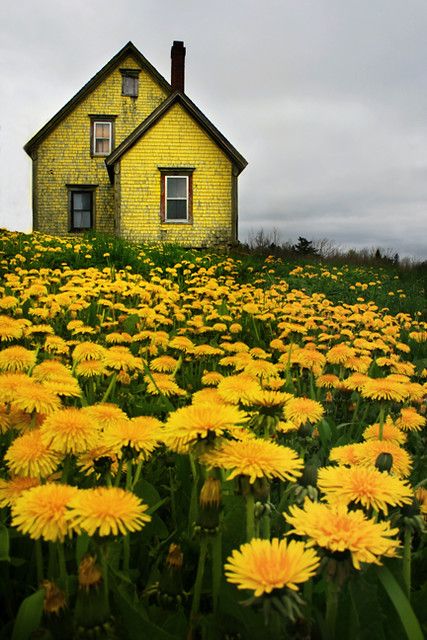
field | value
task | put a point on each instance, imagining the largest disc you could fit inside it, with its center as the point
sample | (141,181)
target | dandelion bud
(175,557)
(384,461)
(210,505)
(210,494)
(309,476)
(54,599)
(90,574)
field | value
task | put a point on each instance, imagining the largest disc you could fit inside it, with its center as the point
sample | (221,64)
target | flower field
(201,446)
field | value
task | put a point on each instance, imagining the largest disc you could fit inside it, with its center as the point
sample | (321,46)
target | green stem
(39,560)
(110,388)
(126,554)
(137,474)
(381,421)
(250,516)
(119,473)
(216,569)
(104,565)
(407,546)
(197,591)
(331,609)
(63,576)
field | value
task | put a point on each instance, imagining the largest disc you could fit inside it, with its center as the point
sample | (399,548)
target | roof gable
(177,97)
(128,49)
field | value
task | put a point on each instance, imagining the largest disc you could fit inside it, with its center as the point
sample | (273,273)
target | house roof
(176,98)
(128,49)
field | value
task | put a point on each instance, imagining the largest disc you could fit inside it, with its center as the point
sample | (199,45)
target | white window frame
(110,125)
(187,196)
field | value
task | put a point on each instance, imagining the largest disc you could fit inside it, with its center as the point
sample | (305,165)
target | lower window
(176,204)
(81,210)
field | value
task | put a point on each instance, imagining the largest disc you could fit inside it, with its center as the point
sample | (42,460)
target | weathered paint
(176,140)
(64,156)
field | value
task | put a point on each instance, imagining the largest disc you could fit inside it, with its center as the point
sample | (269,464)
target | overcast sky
(326,99)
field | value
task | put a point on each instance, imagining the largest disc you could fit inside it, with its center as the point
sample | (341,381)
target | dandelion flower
(70,430)
(390,432)
(256,458)
(410,420)
(302,410)
(187,425)
(262,566)
(384,389)
(88,351)
(106,414)
(16,358)
(33,396)
(368,487)
(163,384)
(371,449)
(141,434)
(30,456)
(333,527)
(107,511)
(12,489)
(164,364)
(235,389)
(42,512)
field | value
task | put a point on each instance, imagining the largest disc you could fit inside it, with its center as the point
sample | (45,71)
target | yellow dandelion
(262,566)
(163,384)
(106,511)
(328,381)
(333,527)
(410,420)
(256,458)
(302,410)
(30,456)
(12,489)
(384,389)
(368,487)
(235,389)
(371,449)
(340,354)
(91,368)
(261,369)
(389,432)
(88,351)
(181,343)
(142,434)
(211,378)
(206,396)
(10,329)
(347,454)
(122,359)
(33,396)
(266,398)
(187,425)
(17,359)
(70,430)
(42,512)
(98,459)
(106,414)
(164,364)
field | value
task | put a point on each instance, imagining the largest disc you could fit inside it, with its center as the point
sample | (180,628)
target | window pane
(130,86)
(102,146)
(81,200)
(81,220)
(176,187)
(102,130)
(176,210)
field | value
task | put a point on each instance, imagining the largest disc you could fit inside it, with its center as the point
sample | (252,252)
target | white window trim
(110,125)
(174,220)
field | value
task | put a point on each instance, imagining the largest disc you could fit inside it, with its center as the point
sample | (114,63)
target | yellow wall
(64,156)
(175,141)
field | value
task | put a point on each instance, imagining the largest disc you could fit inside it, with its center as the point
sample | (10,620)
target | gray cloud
(327,101)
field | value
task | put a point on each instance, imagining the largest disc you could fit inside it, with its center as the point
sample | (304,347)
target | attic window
(130,79)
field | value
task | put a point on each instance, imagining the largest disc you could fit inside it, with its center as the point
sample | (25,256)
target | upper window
(176,202)
(130,82)
(81,209)
(102,138)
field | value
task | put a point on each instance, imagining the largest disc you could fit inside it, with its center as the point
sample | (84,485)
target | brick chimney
(177,65)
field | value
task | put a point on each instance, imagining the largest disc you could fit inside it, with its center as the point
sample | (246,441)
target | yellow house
(131,154)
